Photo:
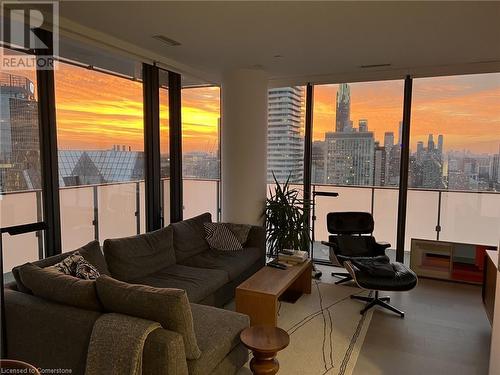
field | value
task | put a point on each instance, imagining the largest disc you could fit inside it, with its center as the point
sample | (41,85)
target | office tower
(363,125)
(343,107)
(349,158)
(495,172)
(440,143)
(19,134)
(430,143)
(379,165)
(389,170)
(400,133)
(388,140)
(420,149)
(285,146)
(318,164)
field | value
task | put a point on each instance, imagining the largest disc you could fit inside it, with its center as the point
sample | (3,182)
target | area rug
(326,331)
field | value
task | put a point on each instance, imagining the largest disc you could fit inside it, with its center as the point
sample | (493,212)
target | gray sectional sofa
(55,335)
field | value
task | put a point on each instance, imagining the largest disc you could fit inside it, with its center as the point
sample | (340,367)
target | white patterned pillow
(220,237)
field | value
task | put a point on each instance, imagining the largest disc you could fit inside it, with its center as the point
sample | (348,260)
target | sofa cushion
(233,262)
(189,236)
(217,332)
(91,252)
(51,284)
(169,307)
(137,256)
(197,282)
(220,237)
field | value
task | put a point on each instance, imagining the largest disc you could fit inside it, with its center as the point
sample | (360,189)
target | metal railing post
(95,222)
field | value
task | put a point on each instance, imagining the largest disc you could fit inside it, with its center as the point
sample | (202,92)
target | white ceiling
(298,42)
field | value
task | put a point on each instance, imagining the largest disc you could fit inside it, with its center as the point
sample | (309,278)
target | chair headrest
(349,222)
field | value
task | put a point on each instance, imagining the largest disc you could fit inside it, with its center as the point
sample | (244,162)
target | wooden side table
(264,342)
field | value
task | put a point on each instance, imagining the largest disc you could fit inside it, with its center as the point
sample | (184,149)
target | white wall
(244,145)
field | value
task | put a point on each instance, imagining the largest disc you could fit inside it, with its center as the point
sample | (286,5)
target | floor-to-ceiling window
(454,175)
(164,146)
(100,133)
(20,167)
(356,152)
(200,150)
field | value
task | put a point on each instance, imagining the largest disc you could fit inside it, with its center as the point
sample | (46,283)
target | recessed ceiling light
(169,41)
(374,65)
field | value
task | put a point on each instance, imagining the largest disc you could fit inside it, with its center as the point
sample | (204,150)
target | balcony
(461,216)
(458,216)
(94,212)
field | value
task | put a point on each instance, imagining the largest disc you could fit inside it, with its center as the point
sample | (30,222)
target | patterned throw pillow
(76,265)
(220,237)
(68,264)
(86,271)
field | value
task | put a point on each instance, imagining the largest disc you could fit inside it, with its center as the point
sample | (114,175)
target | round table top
(265,338)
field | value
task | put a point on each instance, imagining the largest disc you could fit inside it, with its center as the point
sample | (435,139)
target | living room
(250,187)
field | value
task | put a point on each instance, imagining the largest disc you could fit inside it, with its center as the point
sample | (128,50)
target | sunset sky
(96,111)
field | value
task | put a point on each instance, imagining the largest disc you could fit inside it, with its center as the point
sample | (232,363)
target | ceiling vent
(167,40)
(374,66)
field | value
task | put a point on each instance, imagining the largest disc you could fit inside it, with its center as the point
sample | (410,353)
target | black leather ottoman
(384,276)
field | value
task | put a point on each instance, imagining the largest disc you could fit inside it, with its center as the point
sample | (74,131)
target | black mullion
(152,180)
(308,151)
(174,108)
(48,154)
(403,171)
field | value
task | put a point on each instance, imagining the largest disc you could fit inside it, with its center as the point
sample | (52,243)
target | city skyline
(465,107)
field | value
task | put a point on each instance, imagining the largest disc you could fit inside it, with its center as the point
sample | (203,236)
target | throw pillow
(86,271)
(51,284)
(76,265)
(68,264)
(241,231)
(135,257)
(169,307)
(220,237)
(91,252)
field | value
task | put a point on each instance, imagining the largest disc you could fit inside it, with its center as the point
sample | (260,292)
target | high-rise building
(19,134)
(318,163)
(285,146)
(363,125)
(343,109)
(430,143)
(379,165)
(349,158)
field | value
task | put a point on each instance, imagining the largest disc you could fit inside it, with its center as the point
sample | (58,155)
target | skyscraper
(363,125)
(379,165)
(349,158)
(285,147)
(343,109)
(19,134)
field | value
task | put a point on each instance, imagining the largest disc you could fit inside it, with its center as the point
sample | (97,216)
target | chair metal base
(343,276)
(377,301)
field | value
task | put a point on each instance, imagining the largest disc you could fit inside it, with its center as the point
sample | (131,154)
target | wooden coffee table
(264,342)
(258,296)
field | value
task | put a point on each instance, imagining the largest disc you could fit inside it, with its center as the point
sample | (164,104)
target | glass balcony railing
(115,210)
(94,212)
(459,216)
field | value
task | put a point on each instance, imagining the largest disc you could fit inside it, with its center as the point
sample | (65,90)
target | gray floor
(445,331)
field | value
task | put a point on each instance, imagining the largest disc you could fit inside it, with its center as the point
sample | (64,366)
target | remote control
(277,265)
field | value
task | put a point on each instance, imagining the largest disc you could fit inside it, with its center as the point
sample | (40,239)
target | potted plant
(287,220)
